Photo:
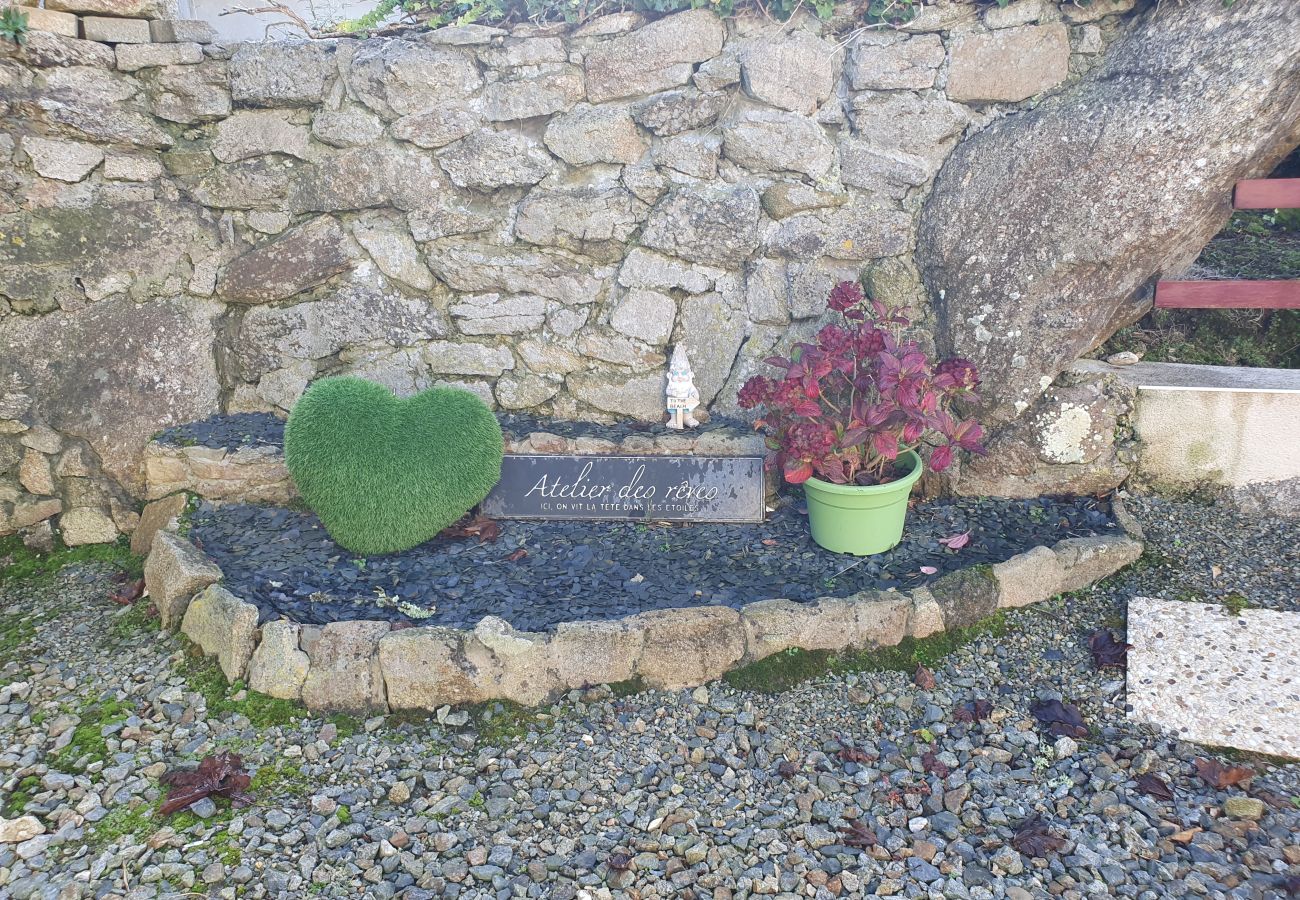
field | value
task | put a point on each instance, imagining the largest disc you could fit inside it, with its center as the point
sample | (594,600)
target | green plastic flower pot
(857,519)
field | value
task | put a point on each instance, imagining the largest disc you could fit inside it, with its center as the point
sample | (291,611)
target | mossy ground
(1255,245)
(88,744)
(782,671)
(19,563)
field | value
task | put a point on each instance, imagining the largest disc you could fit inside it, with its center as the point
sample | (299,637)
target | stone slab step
(1214,678)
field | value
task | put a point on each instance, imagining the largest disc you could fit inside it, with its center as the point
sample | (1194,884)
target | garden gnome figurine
(682,394)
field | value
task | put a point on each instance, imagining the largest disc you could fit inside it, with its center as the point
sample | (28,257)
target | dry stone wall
(535,214)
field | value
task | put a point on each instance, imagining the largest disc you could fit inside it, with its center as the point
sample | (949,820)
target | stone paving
(1217,678)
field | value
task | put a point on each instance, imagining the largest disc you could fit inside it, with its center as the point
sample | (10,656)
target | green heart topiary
(384,474)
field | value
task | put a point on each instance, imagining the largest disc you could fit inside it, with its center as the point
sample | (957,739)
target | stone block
(181,31)
(129,9)
(688,647)
(345,674)
(63,160)
(174,572)
(115,31)
(517,663)
(160,515)
(926,616)
(888,61)
(659,56)
(29,512)
(772,626)
(51,20)
(247,475)
(278,667)
(1088,559)
(224,626)
(796,71)
(966,596)
(1010,65)
(1028,577)
(133,57)
(86,525)
(424,668)
(880,619)
(293,262)
(586,653)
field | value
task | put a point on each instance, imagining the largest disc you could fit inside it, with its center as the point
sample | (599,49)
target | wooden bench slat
(1267,193)
(1228,295)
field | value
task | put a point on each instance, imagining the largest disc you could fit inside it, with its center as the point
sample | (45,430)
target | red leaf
(885,444)
(797,471)
(221,774)
(129,593)
(1155,786)
(956,541)
(1220,776)
(858,834)
(517,555)
(975,711)
(924,678)
(941,458)
(480,526)
(1060,719)
(1034,838)
(1108,653)
(855,755)
(935,766)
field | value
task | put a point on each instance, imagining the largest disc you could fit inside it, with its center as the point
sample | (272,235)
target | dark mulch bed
(283,561)
(236,430)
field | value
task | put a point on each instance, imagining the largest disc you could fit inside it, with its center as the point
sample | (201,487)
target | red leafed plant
(849,404)
(220,775)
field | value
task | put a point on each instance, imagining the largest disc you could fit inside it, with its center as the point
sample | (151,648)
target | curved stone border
(369,666)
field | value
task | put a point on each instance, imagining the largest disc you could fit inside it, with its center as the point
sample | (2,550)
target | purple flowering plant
(848,405)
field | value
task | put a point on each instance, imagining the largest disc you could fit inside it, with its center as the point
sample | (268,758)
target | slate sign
(661,488)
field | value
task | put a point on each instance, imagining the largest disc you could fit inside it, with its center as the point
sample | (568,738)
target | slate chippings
(283,561)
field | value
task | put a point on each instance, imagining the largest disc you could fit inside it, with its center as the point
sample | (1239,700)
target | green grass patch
(88,743)
(138,620)
(788,669)
(633,685)
(385,474)
(1235,603)
(16,800)
(281,778)
(502,721)
(19,563)
(17,631)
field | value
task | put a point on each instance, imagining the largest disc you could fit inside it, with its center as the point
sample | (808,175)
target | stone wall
(536,214)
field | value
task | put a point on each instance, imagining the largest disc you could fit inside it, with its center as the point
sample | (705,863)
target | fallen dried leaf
(619,861)
(924,678)
(220,774)
(1034,838)
(854,755)
(975,711)
(956,541)
(1215,572)
(129,593)
(517,555)
(1108,653)
(1154,786)
(1220,776)
(934,765)
(770,542)
(1184,837)
(787,769)
(1060,719)
(857,834)
(928,570)
(487,530)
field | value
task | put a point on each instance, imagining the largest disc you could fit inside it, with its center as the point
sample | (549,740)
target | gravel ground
(715,793)
(283,561)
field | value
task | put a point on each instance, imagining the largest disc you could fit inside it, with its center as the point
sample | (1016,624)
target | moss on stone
(17,631)
(1235,603)
(793,667)
(282,778)
(15,802)
(141,619)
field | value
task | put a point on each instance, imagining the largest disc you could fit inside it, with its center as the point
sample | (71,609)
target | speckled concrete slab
(1215,678)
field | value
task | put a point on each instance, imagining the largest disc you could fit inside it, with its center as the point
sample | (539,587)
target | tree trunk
(1047,231)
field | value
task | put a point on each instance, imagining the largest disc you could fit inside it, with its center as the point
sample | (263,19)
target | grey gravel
(658,794)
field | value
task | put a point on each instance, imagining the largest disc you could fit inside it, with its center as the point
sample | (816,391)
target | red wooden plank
(1228,295)
(1267,193)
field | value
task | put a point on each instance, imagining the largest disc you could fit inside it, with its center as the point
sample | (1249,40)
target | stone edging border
(367,666)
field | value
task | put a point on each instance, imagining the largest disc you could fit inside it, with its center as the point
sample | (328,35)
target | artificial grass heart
(383,473)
